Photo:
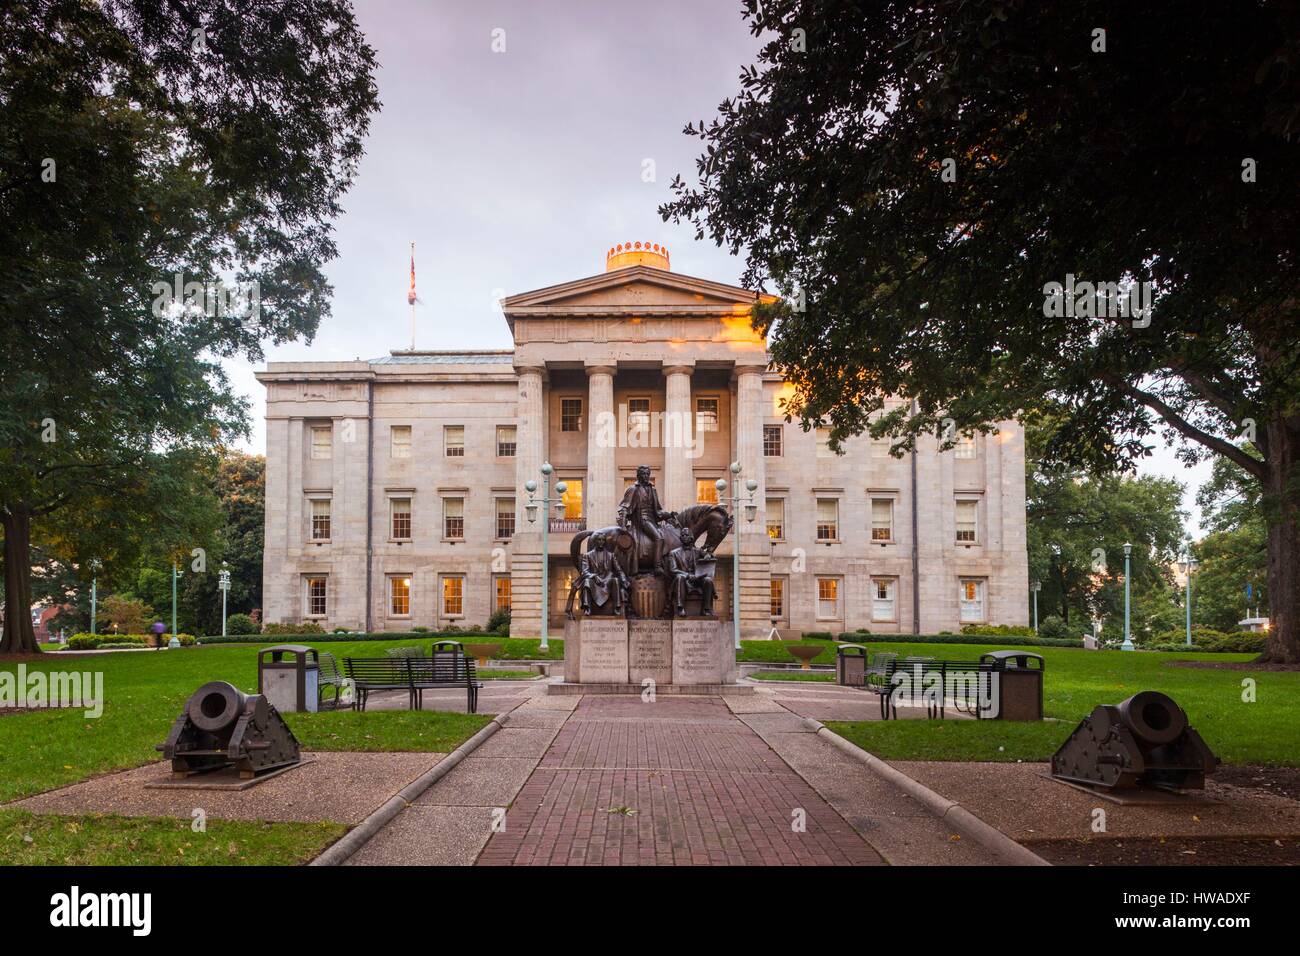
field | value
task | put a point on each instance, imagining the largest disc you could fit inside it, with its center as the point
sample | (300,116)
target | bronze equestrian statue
(639,552)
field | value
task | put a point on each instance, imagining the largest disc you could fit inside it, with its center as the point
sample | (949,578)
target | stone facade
(392,484)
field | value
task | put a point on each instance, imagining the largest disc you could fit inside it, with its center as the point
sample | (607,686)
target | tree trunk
(19,636)
(1281,505)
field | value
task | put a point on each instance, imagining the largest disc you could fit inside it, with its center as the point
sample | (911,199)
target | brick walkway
(679,781)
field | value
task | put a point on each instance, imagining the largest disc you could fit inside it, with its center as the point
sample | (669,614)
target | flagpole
(410,297)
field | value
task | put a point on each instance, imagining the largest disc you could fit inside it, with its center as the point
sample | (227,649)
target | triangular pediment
(636,290)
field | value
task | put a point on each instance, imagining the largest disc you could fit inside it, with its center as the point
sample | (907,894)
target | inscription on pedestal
(602,651)
(650,651)
(700,652)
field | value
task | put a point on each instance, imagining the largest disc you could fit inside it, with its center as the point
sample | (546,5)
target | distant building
(394,487)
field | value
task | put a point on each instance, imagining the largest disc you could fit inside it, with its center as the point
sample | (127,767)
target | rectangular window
(775,511)
(572,499)
(322,442)
(453,518)
(706,491)
(507,437)
(971,599)
(453,595)
(824,443)
(967,516)
(316,590)
(570,414)
(505,518)
(501,593)
(882,519)
(638,419)
(778,598)
(400,509)
(828,519)
(883,606)
(773,443)
(965,447)
(828,598)
(320,519)
(399,597)
(453,441)
(706,414)
(400,441)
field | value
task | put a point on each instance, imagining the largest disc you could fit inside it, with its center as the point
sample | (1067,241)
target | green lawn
(145,692)
(1266,731)
(28,839)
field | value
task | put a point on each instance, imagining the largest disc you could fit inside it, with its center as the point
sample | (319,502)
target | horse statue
(710,521)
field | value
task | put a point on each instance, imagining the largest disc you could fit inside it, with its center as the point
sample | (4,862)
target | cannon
(1145,741)
(222,727)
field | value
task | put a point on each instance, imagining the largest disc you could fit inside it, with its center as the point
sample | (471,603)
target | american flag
(410,295)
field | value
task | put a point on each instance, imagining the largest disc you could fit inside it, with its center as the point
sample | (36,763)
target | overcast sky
(518,169)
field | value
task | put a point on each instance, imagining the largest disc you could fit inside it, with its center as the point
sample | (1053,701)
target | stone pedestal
(680,656)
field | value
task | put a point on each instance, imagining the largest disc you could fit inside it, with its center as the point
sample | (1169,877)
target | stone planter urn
(482,652)
(804,653)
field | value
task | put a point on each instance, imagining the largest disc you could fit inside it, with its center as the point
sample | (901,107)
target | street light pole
(751,486)
(1128,638)
(94,592)
(545,501)
(1190,564)
(175,641)
(223,582)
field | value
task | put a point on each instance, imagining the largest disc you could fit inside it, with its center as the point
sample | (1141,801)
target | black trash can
(1018,681)
(851,665)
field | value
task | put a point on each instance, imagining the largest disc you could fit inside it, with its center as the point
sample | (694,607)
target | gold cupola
(637,254)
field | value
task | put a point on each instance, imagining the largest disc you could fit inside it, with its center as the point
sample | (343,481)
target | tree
(1077,526)
(146,149)
(955,198)
(1235,552)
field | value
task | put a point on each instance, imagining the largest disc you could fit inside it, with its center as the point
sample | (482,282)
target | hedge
(1010,640)
(95,642)
(345,637)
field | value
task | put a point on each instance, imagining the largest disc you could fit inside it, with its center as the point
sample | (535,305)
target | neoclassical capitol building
(395,488)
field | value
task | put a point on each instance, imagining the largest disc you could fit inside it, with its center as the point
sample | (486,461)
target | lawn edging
(1006,850)
(358,836)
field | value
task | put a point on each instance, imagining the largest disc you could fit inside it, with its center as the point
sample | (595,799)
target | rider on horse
(641,512)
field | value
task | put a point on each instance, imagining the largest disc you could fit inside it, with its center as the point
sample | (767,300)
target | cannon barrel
(216,705)
(1153,717)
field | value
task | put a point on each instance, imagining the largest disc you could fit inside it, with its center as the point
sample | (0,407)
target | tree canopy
(151,148)
(977,205)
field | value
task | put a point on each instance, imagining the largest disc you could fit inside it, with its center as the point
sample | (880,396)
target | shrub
(499,622)
(1200,636)
(817,636)
(1241,642)
(241,624)
(306,627)
(1053,628)
(999,630)
(947,637)
(420,630)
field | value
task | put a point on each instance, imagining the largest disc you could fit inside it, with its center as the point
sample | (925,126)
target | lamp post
(750,509)
(1035,587)
(1189,564)
(175,641)
(223,584)
(545,501)
(1128,637)
(94,592)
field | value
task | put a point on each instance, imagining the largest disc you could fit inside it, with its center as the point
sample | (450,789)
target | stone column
(600,491)
(526,547)
(755,546)
(678,487)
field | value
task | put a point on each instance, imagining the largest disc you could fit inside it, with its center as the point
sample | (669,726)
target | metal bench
(446,666)
(328,675)
(968,683)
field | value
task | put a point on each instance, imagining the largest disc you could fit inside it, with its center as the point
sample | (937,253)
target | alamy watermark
(1101,300)
(647,429)
(23,689)
(241,300)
